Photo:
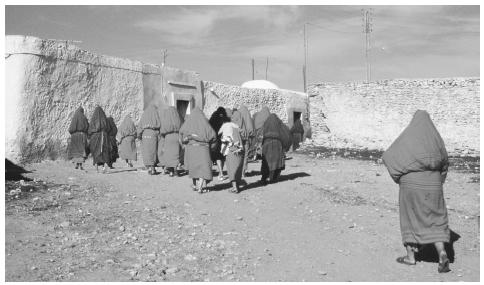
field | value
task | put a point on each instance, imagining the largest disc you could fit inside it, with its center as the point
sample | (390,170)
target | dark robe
(170,126)
(216,121)
(198,136)
(127,139)
(297,132)
(259,120)
(148,132)
(113,145)
(98,137)
(249,142)
(417,160)
(78,147)
(277,140)
(161,139)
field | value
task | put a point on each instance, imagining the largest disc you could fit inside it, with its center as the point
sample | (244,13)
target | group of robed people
(417,160)
(231,138)
(97,137)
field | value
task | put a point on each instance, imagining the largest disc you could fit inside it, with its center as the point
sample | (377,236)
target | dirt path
(327,220)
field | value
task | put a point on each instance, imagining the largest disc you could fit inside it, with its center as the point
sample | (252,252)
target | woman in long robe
(218,118)
(277,140)
(170,126)
(259,120)
(112,131)
(148,133)
(161,139)
(249,140)
(198,136)
(297,132)
(78,148)
(98,138)
(417,160)
(127,141)
(232,137)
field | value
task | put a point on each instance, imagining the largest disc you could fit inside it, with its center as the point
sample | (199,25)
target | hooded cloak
(199,136)
(99,141)
(418,161)
(112,131)
(418,148)
(170,125)
(127,139)
(78,147)
(218,118)
(149,132)
(248,122)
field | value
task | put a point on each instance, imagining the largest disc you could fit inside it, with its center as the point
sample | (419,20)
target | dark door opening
(296,116)
(182,106)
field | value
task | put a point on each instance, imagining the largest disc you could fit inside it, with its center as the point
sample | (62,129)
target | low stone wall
(372,116)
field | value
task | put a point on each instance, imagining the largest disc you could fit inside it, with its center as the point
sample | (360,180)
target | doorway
(296,116)
(182,108)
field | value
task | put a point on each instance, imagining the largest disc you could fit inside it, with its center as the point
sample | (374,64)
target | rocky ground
(330,218)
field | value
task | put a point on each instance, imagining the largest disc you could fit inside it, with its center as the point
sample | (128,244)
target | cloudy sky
(219,41)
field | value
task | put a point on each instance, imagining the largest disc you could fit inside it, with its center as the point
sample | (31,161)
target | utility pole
(304,78)
(165,55)
(367,29)
(253,69)
(267,65)
(305,67)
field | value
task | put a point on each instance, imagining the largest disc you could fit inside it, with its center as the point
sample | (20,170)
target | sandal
(194,188)
(404,260)
(234,190)
(444,265)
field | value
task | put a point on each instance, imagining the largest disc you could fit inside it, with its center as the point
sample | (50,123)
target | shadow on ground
(428,253)
(245,186)
(14,172)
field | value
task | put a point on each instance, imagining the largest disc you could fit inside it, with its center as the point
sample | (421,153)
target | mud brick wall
(46,81)
(372,115)
(277,100)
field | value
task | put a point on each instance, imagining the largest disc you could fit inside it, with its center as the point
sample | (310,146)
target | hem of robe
(234,163)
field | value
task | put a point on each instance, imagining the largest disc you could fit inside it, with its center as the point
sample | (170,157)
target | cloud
(202,25)
(183,26)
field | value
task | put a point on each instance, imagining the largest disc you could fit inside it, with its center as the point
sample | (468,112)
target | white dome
(260,84)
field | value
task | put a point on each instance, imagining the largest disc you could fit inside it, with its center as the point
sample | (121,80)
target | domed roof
(260,84)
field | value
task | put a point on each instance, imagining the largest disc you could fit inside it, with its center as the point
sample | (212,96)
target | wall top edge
(399,80)
(68,50)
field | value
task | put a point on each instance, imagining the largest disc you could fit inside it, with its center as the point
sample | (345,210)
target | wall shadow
(14,172)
